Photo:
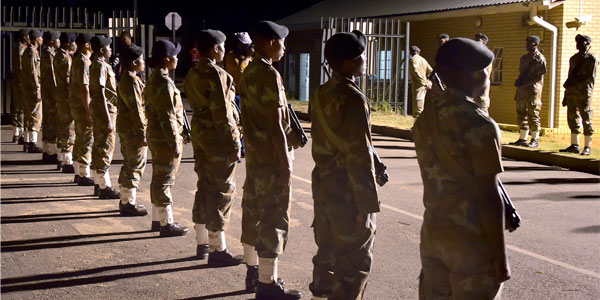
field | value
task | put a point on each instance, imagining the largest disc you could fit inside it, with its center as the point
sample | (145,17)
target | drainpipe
(546,25)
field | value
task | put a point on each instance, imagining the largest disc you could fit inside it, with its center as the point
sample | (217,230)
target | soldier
(80,110)
(31,90)
(344,192)
(532,68)
(164,111)
(483,101)
(442,39)
(579,88)
(65,128)
(463,253)
(216,142)
(131,127)
(48,88)
(420,70)
(103,92)
(267,190)
(17,99)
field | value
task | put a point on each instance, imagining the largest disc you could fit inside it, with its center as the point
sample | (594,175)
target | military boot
(519,142)
(173,229)
(96,189)
(108,193)
(202,251)
(76,179)
(586,151)
(85,181)
(70,169)
(15,138)
(21,141)
(574,148)
(52,159)
(534,143)
(224,259)
(155,226)
(33,148)
(251,278)
(131,210)
(275,291)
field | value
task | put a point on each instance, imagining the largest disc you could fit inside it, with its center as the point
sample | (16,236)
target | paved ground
(59,242)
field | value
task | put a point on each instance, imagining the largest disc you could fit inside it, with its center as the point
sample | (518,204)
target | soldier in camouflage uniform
(17,98)
(463,253)
(579,88)
(65,127)
(131,127)
(48,88)
(79,101)
(420,70)
(31,90)
(267,190)
(344,192)
(164,111)
(216,142)
(103,91)
(483,101)
(532,68)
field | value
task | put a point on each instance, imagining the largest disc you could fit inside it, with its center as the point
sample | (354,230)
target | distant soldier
(131,127)
(164,111)
(579,88)
(80,110)
(442,39)
(17,99)
(344,192)
(532,68)
(31,90)
(216,142)
(420,70)
(463,252)
(267,190)
(65,130)
(48,88)
(483,101)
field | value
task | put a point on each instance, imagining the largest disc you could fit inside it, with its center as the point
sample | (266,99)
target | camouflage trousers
(164,169)
(265,210)
(528,110)
(16,105)
(49,115)
(84,138)
(419,95)
(104,142)
(32,111)
(579,110)
(65,128)
(216,187)
(135,155)
(342,264)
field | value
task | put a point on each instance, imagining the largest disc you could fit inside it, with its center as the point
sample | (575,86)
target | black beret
(35,33)
(67,37)
(464,54)
(51,35)
(444,36)
(415,49)
(83,38)
(481,37)
(100,41)
(209,37)
(533,38)
(162,49)
(345,45)
(584,38)
(270,30)
(132,53)
(24,32)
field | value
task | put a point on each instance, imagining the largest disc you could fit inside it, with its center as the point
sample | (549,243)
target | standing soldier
(532,68)
(31,90)
(103,91)
(420,70)
(579,88)
(164,111)
(65,127)
(131,126)
(267,190)
(483,101)
(344,192)
(463,252)
(17,99)
(80,109)
(48,88)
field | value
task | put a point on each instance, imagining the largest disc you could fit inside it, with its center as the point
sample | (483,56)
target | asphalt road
(59,242)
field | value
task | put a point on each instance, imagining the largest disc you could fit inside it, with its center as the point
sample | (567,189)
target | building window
(385,64)
(497,66)
(292,75)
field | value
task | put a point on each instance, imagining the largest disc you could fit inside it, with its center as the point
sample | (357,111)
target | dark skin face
(583,46)
(69,47)
(442,41)
(350,68)
(106,52)
(531,45)
(471,83)
(272,49)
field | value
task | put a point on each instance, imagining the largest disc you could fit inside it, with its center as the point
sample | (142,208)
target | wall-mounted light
(579,21)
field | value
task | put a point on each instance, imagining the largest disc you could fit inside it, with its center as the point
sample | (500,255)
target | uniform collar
(339,77)
(263,59)
(453,93)
(207,60)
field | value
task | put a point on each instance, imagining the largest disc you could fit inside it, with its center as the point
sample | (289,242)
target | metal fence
(386,80)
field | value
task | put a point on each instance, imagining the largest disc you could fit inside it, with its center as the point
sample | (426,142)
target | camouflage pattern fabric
(235,65)
(48,88)
(131,127)
(532,68)
(164,111)
(343,185)
(483,101)
(65,127)
(455,256)
(17,99)
(30,86)
(215,135)
(579,88)
(103,76)
(80,79)
(420,70)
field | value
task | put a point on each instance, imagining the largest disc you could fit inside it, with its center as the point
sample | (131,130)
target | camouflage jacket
(102,76)
(131,118)
(420,70)
(347,113)
(211,94)
(532,67)
(48,79)
(62,70)
(80,78)
(16,62)
(582,73)
(30,65)
(235,66)
(164,109)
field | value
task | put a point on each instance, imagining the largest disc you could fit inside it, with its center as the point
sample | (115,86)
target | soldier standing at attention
(80,110)
(267,190)
(48,88)
(344,192)
(65,128)
(579,88)
(420,70)
(216,142)
(164,111)
(532,68)
(17,99)
(463,253)
(103,91)
(131,126)
(483,101)
(31,90)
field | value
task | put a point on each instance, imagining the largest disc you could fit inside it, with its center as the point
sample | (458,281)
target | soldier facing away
(463,254)
(483,101)
(31,92)
(420,70)
(344,191)
(17,99)
(579,88)
(48,89)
